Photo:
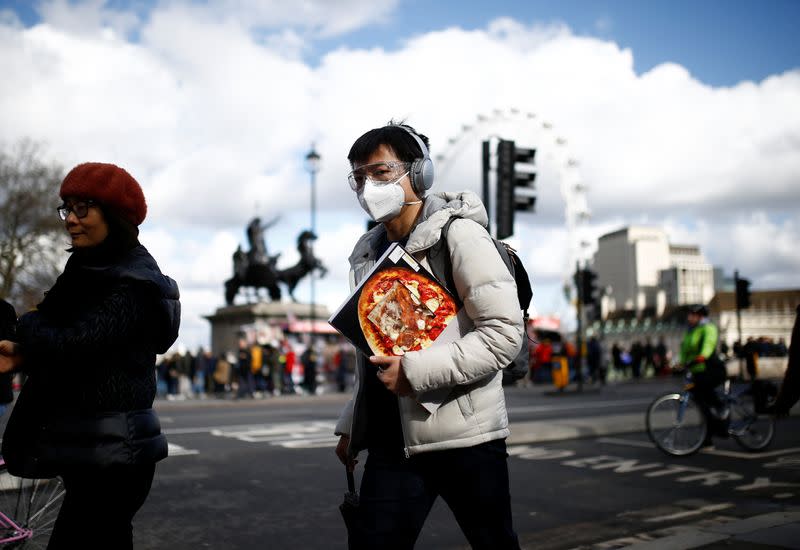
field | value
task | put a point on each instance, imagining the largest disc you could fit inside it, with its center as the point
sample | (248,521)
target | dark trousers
(99,506)
(705,392)
(397,494)
(705,386)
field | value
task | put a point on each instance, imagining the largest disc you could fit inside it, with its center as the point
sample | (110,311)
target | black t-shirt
(384,432)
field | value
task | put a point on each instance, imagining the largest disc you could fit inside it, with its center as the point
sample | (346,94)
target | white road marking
(579,406)
(690,513)
(290,435)
(177,450)
(718,452)
(628,442)
(751,456)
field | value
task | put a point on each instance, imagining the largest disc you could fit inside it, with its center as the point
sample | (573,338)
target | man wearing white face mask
(458,451)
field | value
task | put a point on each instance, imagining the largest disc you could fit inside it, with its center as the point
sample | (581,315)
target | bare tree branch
(31,240)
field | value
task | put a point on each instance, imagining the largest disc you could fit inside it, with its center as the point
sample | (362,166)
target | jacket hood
(440,207)
(436,210)
(140,266)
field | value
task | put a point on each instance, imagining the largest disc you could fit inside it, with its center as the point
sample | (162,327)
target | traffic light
(742,293)
(588,287)
(515,184)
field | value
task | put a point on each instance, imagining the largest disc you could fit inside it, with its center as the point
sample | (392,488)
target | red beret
(109,185)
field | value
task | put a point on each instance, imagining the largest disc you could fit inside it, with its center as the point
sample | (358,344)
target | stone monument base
(292,318)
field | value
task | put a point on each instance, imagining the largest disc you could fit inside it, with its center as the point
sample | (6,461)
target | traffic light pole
(739,324)
(579,334)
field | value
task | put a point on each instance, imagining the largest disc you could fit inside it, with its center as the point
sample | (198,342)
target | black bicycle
(678,425)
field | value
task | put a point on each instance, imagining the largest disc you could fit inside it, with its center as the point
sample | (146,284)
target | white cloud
(87,16)
(213,110)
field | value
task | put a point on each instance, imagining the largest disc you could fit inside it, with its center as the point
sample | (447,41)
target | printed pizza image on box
(398,307)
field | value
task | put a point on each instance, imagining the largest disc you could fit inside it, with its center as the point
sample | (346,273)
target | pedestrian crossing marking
(177,450)
(289,435)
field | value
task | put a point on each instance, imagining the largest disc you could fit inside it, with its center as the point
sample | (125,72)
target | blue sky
(721,42)
(681,115)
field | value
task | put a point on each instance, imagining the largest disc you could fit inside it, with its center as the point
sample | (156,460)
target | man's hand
(344,456)
(10,358)
(391,374)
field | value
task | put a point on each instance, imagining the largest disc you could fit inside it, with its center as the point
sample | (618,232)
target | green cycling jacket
(700,340)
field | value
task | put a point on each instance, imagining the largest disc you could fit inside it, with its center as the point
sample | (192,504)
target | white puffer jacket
(474,411)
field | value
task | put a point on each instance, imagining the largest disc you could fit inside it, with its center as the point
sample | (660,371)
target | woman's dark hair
(123,234)
(394,135)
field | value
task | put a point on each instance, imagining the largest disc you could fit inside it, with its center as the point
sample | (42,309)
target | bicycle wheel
(676,424)
(752,431)
(28,510)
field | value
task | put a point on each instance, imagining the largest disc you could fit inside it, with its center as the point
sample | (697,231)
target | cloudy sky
(676,114)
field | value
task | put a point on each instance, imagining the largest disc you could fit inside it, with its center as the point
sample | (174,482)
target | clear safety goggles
(379,172)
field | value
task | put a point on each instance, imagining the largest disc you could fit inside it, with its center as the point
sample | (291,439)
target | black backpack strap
(441,264)
(524,289)
(442,268)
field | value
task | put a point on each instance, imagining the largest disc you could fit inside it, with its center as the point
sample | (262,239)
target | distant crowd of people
(637,361)
(640,359)
(257,369)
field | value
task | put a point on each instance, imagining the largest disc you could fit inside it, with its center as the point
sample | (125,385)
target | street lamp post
(312,165)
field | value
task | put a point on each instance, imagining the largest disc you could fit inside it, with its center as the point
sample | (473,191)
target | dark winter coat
(90,351)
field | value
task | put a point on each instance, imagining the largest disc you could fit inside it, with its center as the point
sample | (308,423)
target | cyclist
(699,356)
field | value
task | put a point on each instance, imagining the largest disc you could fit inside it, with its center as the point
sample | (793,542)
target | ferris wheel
(554,162)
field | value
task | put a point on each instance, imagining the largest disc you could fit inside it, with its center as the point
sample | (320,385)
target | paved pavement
(776,530)
(763,532)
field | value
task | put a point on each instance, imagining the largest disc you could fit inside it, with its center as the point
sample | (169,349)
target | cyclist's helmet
(699,309)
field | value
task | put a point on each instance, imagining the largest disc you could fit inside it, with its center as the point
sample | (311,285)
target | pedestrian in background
(616,360)
(789,392)
(458,451)
(244,370)
(89,350)
(222,374)
(184,364)
(637,356)
(310,358)
(204,364)
(660,359)
(274,368)
(288,358)
(594,358)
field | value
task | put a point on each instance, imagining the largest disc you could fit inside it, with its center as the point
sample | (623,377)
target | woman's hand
(10,358)
(390,372)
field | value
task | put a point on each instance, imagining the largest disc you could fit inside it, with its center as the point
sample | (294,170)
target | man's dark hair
(395,136)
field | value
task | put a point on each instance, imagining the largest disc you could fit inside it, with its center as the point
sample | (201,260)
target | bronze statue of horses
(251,271)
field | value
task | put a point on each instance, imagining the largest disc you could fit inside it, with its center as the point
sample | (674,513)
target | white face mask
(383,201)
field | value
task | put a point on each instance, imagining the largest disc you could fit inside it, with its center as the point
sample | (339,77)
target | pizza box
(398,306)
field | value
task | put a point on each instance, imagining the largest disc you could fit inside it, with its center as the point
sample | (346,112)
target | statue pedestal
(290,317)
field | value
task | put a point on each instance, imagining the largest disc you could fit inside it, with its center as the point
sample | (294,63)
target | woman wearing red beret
(89,350)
